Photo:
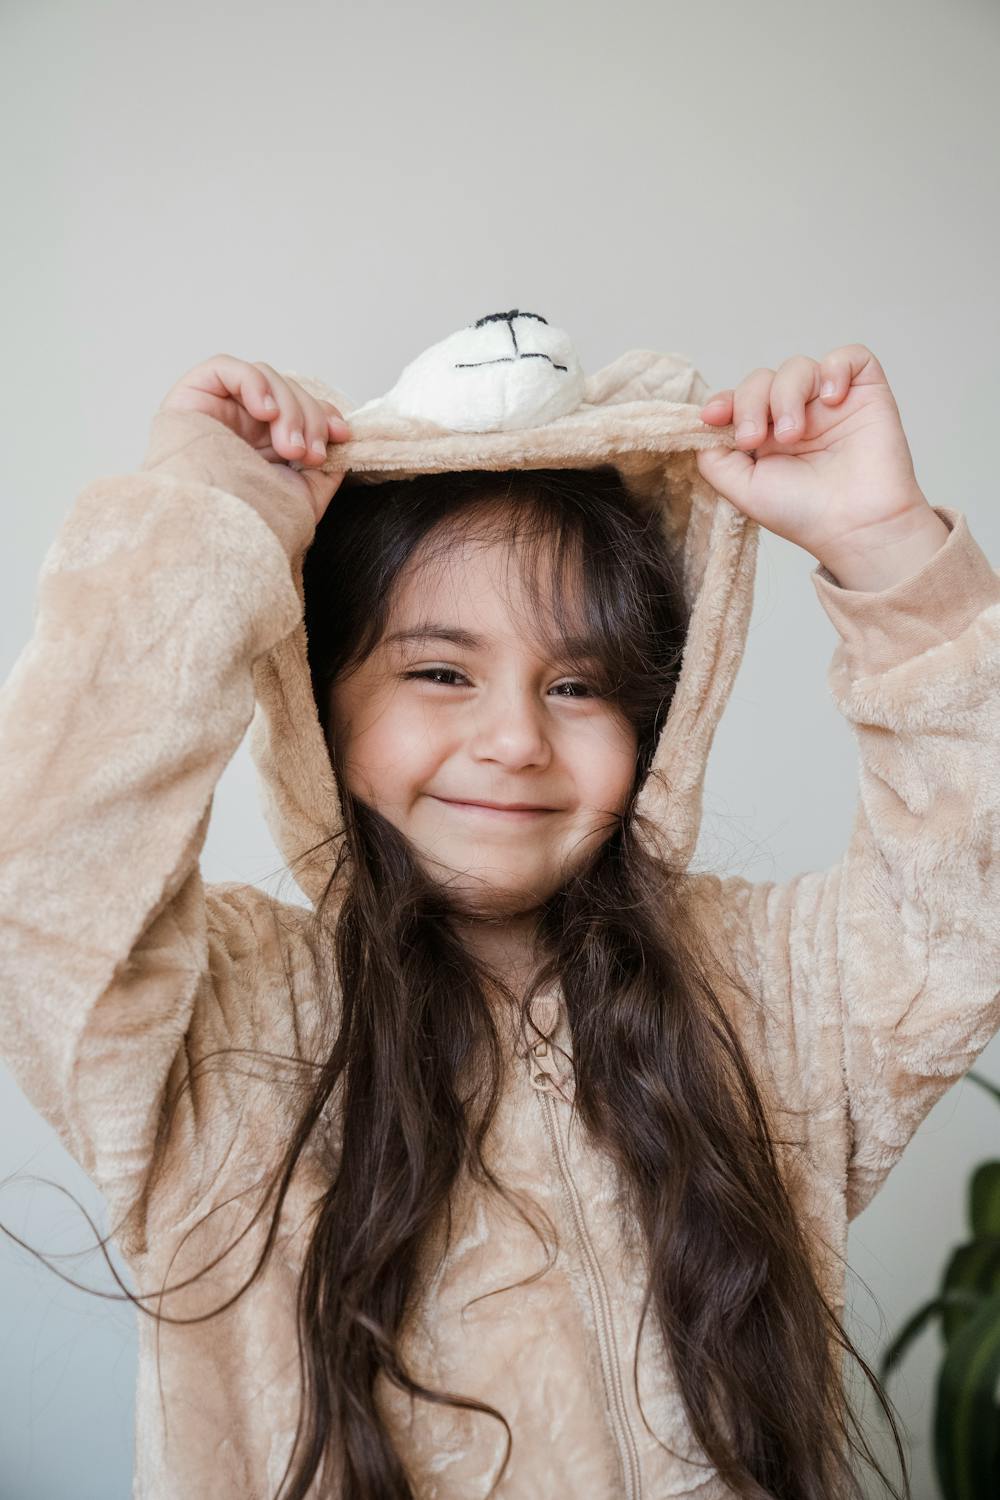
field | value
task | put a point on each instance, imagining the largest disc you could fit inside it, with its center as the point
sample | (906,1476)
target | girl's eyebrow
(454,634)
(575,646)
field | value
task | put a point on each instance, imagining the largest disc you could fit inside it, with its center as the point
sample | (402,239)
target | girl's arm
(880,977)
(116,722)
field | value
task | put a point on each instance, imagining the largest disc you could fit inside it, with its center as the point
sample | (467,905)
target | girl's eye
(434,673)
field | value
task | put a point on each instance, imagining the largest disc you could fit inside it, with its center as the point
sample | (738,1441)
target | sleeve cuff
(884,627)
(193,445)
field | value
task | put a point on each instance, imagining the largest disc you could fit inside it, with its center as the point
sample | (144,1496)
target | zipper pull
(539,1076)
(547,1080)
(542,1017)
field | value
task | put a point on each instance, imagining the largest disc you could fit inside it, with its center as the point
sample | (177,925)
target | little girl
(519,1162)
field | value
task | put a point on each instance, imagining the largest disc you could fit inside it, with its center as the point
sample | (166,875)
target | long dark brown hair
(415,1061)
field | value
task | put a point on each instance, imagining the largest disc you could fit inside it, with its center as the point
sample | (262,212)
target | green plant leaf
(984,1199)
(984,1083)
(910,1330)
(966,1417)
(974,1267)
(961,1297)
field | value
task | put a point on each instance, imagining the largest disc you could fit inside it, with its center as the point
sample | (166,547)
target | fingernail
(319,447)
(297,440)
(746,429)
(827,388)
(785,424)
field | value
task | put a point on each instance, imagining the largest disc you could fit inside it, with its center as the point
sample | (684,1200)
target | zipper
(628,1453)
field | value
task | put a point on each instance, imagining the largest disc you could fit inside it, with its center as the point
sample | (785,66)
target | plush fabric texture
(168,624)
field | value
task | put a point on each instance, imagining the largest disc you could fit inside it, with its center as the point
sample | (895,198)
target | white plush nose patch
(505,371)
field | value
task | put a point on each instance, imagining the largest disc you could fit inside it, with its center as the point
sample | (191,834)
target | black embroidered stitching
(507,359)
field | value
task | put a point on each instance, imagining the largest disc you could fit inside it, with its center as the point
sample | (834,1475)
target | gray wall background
(332,188)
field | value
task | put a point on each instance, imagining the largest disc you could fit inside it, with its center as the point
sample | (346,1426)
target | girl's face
(457,706)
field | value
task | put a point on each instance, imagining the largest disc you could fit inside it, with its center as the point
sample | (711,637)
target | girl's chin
(486,896)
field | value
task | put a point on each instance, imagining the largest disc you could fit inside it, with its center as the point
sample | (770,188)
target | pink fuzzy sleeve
(120,714)
(880,977)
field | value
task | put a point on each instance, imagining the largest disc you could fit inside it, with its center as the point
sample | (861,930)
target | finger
(796,381)
(316,415)
(728,471)
(834,379)
(288,426)
(254,390)
(272,455)
(321,485)
(318,422)
(313,424)
(239,385)
(227,388)
(339,426)
(847,365)
(717,408)
(751,406)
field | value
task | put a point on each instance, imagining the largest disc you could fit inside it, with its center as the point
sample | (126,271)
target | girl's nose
(511,730)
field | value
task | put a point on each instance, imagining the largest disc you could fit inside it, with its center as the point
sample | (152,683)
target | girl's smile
(514,813)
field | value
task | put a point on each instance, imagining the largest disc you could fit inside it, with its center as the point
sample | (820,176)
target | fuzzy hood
(508,392)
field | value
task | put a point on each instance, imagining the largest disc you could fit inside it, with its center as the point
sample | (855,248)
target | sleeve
(881,975)
(159,591)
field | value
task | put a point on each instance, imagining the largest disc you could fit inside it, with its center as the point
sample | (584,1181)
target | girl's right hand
(238,392)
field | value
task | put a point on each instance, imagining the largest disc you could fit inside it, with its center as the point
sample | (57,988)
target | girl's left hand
(839,479)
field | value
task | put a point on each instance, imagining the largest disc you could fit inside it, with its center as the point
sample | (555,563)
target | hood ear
(504,373)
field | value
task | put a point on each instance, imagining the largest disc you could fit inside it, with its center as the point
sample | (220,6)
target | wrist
(193,446)
(884,556)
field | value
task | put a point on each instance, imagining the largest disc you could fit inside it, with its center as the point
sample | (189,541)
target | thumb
(729,472)
(321,484)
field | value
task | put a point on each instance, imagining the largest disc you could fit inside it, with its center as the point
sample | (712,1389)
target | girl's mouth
(510,813)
